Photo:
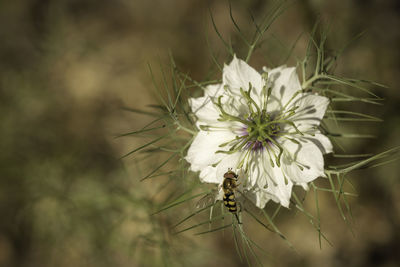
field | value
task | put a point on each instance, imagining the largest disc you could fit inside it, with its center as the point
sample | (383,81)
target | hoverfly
(229,186)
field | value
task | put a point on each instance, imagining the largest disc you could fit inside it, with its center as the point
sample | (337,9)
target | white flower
(265,127)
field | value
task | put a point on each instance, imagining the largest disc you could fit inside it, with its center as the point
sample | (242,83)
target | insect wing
(207,200)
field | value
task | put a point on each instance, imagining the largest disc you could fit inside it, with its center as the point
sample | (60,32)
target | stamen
(291,99)
(288,113)
(268,95)
(233,140)
(270,159)
(226,115)
(278,159)
(293,140)
(250,100)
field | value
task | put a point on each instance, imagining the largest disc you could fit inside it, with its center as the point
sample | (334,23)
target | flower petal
(271,181)
(322,142)
(285,84)
(208,175)
(208,113)
(279,186)
(204,109)
(214,90)
(310,112)
(302,163)
(260,197)
(258,167)
(238,74)
(202,150)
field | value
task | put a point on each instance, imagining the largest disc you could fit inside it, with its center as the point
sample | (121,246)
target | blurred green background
(67,67)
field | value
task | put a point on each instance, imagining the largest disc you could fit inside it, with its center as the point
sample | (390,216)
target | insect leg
(237,218)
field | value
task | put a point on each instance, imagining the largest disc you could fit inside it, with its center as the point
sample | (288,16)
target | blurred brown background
(66,68)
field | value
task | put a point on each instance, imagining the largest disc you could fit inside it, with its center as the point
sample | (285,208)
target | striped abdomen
(230,202)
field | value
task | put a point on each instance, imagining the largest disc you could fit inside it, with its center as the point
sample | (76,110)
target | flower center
(261,131)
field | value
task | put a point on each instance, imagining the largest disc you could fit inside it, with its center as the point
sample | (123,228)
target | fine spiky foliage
(173,129)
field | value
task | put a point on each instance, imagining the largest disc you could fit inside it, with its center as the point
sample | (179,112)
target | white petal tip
(305,186)
(285,204)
